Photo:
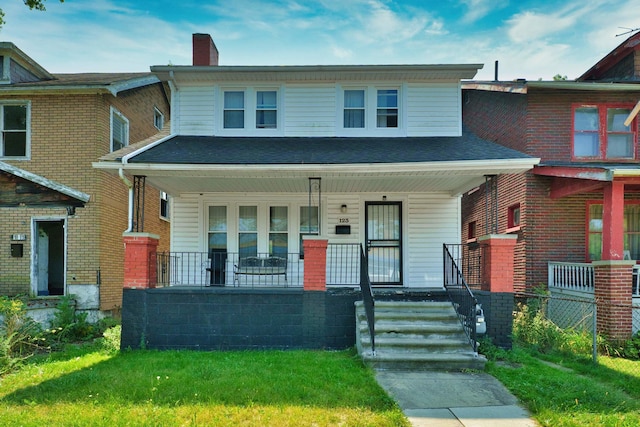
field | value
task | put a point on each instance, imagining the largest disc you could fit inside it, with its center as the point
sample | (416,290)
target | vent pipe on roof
(205,51)
(495,71)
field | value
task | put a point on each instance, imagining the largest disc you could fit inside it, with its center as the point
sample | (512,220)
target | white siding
(186,225)
(310,110)
(197,114)
(433,109)
(434,219)
(429,220)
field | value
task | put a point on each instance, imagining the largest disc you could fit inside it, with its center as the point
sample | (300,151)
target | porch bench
(256,266)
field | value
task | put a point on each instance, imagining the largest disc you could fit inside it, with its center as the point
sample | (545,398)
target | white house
(259,156)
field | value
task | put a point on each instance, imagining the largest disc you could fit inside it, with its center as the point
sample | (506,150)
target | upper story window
(370,108)
(387,111)
(158,118)
(266,109)
(354,108)
(513,216)
(233,110)
(244,107)
(599,133)
(14,124)
(119,130)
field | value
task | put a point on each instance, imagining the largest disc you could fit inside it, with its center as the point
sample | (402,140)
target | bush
(20,336)
(69,326)
(110,341)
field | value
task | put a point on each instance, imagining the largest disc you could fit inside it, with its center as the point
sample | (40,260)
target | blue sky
(530,39)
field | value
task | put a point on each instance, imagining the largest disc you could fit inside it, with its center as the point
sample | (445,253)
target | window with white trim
(233,110)
(599,133)
(371,108)
(119,130)
(158,118)
(14,125)
(164,205)
(266,109)
(387,108)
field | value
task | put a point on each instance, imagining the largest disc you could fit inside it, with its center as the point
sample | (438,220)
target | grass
(142,388)
(563,391)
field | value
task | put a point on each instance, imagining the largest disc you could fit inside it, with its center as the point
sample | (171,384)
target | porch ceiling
(449,177)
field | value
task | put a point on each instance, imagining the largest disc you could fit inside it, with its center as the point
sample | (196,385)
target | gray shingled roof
(322,150)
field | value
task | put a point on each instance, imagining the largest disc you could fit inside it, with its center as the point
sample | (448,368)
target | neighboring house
(579,209)
(260,156)
(62,220)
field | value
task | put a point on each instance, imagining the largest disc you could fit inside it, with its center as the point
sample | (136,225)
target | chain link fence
(569,323)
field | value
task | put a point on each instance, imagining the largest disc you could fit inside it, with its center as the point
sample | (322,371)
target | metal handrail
(367,298)
(463,300)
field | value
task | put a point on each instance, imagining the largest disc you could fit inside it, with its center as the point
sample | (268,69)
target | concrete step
(422,335)
(424,362)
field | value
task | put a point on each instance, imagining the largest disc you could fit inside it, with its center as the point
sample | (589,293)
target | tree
(559,77)
(31,4)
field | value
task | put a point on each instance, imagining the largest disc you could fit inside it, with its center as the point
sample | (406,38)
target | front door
(49,257)
(383,235)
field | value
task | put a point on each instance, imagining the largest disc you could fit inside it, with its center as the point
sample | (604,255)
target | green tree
(559,77)
(31,4)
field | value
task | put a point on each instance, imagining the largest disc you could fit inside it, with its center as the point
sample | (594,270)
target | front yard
(141,388)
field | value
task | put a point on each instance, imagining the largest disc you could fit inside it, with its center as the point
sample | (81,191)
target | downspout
(130,187)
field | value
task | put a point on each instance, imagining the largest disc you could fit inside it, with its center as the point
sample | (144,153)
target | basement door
(49,260)
(383,236)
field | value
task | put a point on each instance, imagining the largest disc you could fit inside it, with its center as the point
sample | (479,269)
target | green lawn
(560,391)
(141,388)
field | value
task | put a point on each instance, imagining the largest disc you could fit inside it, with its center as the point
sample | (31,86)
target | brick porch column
(315,264)
(613,295)
(139,265)
(497,267)
(496,293)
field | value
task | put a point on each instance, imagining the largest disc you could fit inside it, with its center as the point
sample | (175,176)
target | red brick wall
(315,265)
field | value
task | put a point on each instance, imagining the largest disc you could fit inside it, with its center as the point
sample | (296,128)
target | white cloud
(478,9)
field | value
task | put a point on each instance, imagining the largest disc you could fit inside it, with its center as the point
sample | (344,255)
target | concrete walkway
(454,399)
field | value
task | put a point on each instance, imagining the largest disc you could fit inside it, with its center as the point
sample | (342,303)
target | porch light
(343,208)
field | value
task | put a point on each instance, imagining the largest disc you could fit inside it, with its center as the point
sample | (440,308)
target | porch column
(139,257)
(612,285)
(613,221)
(315,264)
(496,293)
(497,267)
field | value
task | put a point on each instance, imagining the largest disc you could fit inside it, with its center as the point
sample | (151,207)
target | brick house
(65,219)
(269,164)
(579,209)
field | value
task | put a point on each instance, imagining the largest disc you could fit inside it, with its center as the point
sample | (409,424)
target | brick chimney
(205,51)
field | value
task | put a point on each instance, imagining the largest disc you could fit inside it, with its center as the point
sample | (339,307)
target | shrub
(110,341)
(20,336)
(70,326)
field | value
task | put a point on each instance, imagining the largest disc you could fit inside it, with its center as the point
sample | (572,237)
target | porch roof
(180,163)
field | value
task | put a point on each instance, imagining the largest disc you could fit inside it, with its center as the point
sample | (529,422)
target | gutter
(130,208)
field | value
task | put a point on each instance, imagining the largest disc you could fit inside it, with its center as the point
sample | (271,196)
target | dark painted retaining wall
(498,312)
(238,319)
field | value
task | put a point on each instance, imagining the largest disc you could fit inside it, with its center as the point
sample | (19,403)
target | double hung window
(599,133)
(387,109)
(354,109)
(267,109)
(14,124)
(631,230)
(234,110)
(370,108)
(119,130)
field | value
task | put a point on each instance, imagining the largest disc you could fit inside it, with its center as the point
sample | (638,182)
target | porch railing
(343,264)
(579,277)
(367,298)
(202,269)
(468,257)
(462,298)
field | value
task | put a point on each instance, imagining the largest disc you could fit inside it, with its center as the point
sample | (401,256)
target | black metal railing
(468,257)
(367,298)
(220,268)
(343,264)
(461,296)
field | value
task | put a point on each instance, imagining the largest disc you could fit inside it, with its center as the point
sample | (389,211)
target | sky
(530,39)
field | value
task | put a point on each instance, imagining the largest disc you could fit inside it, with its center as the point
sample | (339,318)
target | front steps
(421,336)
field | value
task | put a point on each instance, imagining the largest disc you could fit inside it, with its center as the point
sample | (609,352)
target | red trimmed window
(599,133)
(513,216)
(631,230)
